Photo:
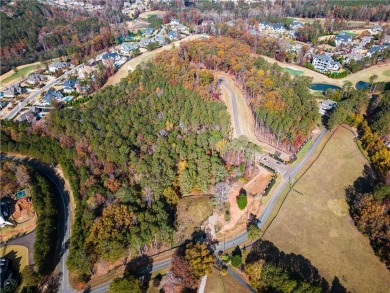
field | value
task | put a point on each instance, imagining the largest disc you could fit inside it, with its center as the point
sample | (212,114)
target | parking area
(274,164)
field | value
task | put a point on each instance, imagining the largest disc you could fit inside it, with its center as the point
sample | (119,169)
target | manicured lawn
(18,255)
(191,213)
(293,71)
(316,223)
(386,72)
(25,71)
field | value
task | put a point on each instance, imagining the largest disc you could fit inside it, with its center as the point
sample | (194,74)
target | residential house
(172,35)
(182,28)
(342,38)
(35,78)
(55,66)
(324,62)
(278,28)
(51,96)
(12,91)
(127,48)
(264,25)
(69,86)
(174,22)
(159,39)
(296,25)
(148,32)
(109,57)
(85,71)
(376,49)
(377,28)
(144,42)
(326,106)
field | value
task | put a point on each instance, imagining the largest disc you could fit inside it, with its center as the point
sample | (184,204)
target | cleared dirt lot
(315,222)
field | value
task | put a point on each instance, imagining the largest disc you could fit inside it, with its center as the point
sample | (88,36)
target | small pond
(362,85)
(323,87)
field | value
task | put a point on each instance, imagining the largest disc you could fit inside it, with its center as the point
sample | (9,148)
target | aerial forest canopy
(283,107)
(135,149)
(32,31)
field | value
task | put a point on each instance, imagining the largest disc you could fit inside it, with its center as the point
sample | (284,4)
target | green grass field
(316,223)
(293,71)
(25,71)
(18,255)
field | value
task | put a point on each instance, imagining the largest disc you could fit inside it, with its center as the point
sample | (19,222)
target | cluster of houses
(169,32)
(133,9)
(75,4)
(352,48)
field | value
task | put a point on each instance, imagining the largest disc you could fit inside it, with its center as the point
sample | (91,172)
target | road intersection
(287,173)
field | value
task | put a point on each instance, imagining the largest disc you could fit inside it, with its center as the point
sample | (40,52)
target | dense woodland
(284,110)
(32,32)
(372,10)
(133,150)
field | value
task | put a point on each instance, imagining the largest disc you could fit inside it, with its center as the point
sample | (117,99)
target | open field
(23,71)
(132,63)
(386,73)
(315,222)
(144,15)
(18,255)
(216,283)
(192,211)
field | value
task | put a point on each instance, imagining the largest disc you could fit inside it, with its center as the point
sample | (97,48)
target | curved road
(287,174)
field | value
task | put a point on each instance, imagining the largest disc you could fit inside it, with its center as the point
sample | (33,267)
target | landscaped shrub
(242,201)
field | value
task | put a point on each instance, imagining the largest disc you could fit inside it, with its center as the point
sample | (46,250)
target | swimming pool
(67,99)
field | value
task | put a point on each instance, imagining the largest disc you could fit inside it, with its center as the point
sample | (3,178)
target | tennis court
(20,194)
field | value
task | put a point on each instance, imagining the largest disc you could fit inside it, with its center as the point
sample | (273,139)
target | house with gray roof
(159,39)
(69,86)
(12,91)
(35,78)
(148,32)
(127,48)
(376,49)
(264,25)
(172,35)
(296,25)
(55,66)
(324,62)
(342,38)
(278,28)
(51,96)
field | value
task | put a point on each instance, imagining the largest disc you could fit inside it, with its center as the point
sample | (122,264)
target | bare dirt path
(132,63)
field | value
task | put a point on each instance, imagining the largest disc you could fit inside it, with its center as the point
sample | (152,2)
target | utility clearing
(314,220)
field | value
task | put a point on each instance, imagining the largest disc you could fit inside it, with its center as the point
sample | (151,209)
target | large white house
(55,66)
(325,62)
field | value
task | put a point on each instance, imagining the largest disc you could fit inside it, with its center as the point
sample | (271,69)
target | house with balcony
(325,63)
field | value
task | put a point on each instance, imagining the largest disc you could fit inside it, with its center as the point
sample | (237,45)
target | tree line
(37,32)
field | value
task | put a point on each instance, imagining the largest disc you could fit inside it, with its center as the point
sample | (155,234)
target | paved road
(287,174)
(64,224)
(11,114)
(226,86)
